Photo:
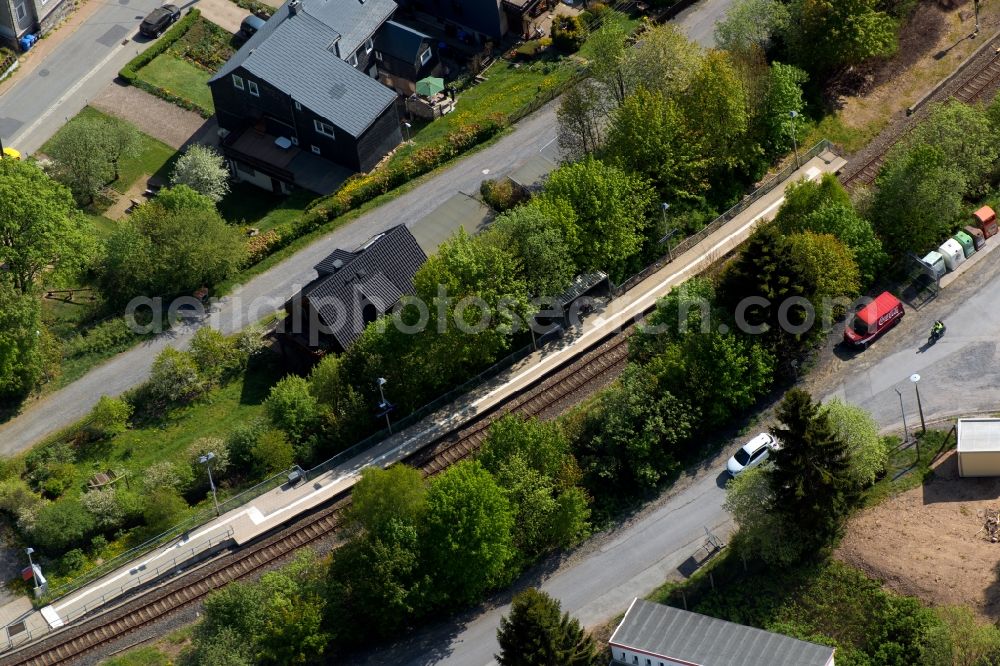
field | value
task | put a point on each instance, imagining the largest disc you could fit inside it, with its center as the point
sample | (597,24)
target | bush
(568,33)
(220,463)
(162,475)
(108,512)
(72,561)
(595,15)
(15,495)
(293,408)
(272,453)
(241,443)
(174,378)
(61,525)
(162,510)
(108,418)
(216,356)
(108,337)
(57,478)
(501,195)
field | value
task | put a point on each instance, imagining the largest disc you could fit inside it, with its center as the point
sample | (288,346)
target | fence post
(684,598)
(711,579)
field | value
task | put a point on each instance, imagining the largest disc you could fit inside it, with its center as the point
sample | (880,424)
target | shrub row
(130,72)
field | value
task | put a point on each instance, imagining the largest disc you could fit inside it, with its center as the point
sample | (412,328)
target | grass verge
(180,77)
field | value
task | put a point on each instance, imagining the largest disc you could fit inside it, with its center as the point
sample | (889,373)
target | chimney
(294,6)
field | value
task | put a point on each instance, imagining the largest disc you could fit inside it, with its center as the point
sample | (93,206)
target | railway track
(576,376)
(974,89)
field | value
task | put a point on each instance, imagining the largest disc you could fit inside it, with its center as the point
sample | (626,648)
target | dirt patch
(932,44)
(927,541)
(135,193)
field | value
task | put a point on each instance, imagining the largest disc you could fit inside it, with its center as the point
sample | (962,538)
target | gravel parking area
(161,120)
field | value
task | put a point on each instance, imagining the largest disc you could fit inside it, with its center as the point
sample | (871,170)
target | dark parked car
(159,20)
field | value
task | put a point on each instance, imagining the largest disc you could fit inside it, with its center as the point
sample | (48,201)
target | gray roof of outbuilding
(381,271)
(291,52)
(400,41)
(677,634)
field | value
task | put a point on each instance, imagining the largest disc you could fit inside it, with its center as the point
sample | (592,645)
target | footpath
(280,505)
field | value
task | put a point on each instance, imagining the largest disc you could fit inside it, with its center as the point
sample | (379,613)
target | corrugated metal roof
(677,634)
(291,52)
(400,42)
(978,435)
(379,274)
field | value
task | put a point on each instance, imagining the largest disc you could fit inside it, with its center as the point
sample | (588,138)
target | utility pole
(915,378)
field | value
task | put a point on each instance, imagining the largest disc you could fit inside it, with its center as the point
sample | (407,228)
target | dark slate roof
(354,20)
(677,634)
(291,52)
(400,41)
(380,271)
(329,265)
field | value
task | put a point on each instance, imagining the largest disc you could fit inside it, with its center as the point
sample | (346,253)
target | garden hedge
(130,72)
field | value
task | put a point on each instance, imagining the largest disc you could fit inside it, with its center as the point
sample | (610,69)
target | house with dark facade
(299,103)
(351,290)
(404,56)
(481,21)
(21,17)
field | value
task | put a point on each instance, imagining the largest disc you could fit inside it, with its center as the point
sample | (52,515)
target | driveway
(223,13)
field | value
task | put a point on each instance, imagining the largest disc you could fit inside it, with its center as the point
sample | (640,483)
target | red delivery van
(873,320)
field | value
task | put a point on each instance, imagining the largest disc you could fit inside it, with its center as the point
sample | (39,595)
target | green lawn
(180,77)
(154,158)
(253,206)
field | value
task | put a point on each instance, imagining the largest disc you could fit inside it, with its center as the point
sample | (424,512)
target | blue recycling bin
(27,41)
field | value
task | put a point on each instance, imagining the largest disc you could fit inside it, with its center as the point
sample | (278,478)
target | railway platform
(282,504)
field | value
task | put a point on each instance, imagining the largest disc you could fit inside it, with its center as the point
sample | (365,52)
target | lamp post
(915,378)
(906,433)
(31,563)
(206,460)
(795,144)
(667,232)
(385,405)
(407,127)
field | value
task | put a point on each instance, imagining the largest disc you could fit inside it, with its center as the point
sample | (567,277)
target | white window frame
(425,57)
(353,59)
(20,11)
(238,82)
(315,149)
(298,107)
(253,89)
(320,128)
(294,140)
(369,45)
(378,56)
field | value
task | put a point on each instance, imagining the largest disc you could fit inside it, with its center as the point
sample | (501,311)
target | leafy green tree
(723,373)
(610,206)
(88,152)
(825,35)
(664,60)
(811,476)
(162,509)
(106,507)
(293,408)
(568,33)
(610,66)
(383,496)
(478,295)
(751,24)
(783,97)
(272,453)
(530,460)
(346,414)
(969,641)
(635,436)
(241,442)
(216,356)
(823,261)
(22,355)
(716,110)
(174,378)
(171,245)
(867,451)
(688,307)
(467,535)
(60,525)
(536,633)
(762,531)
(39,226)
(581,120)
(226,648)
(109,417)
(540,244)
(965,136)
(920,197)
(650,135)
(203,169)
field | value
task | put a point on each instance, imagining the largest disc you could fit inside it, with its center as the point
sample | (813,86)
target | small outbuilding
(978,447)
